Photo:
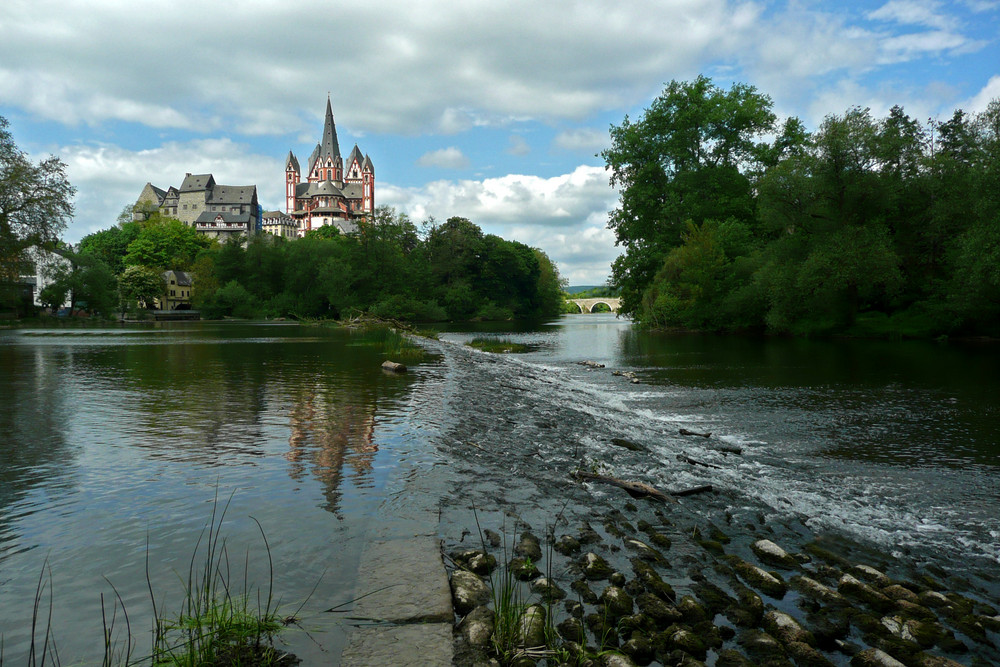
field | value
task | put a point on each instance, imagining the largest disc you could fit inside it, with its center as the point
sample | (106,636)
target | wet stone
(874,657)
(870,575)
(571,630)
(639,649)
(594,567)
(643,550)
(749,611)
(770,553)
(732,658)
(482,563)
(897,592)
(786,629)
(528,547)
(616,602)
(604,629)
(662,613)
(588,535)
(766,582)
(492,538)
(567,545)
(849,585)
(547,589)
(477,627)
(532,630)
(760,646)
(523,569)
(806,656)
(468,591)
(581,588)
(617,579)
(692,610)
(573,608)
(689,642)
(815,590)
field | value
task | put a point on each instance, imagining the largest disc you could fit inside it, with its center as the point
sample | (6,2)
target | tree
(111,245)
(693,155)
(166,243)
(140,285)
(86,280)
(35,203)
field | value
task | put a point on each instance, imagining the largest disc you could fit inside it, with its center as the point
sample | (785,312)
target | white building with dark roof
(334,192)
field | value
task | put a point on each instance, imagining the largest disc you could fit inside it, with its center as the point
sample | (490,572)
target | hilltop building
(334,192)
(218,211)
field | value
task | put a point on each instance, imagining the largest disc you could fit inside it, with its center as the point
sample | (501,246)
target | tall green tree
(165,243)
(693,155)
(35,203)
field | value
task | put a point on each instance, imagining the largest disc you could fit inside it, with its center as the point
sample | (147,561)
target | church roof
(321,189)
(368,163)
(292,161)
(196,182)
(329,147)
(355,155)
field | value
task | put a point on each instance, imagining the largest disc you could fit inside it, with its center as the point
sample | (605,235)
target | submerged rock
(594,567)
(766,582)
(873,657)
(782,626)
(815,590)
(643,550)
(770,553)
(871,575)
(848,585)
(616,601)
(547,589)
(523,569)
(528,547)
(567,545)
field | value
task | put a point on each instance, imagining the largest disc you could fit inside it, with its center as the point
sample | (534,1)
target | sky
(493,111)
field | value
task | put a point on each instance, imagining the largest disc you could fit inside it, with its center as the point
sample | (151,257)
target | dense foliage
(35,206)
(390,269)
(879,226)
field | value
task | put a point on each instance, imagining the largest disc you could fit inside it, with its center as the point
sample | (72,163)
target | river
(117,442)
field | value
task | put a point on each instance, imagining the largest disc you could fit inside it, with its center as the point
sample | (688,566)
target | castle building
(218,211)
(335,192)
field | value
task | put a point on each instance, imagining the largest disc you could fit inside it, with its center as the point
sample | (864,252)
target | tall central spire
(329,147)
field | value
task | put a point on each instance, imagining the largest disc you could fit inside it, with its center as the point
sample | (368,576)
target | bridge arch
(587,305)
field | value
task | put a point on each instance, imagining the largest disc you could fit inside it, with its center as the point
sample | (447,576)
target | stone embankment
(770,607)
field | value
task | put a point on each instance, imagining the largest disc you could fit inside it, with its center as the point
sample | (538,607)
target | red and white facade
(331,194)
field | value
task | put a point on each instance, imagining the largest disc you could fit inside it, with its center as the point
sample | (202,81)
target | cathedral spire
(329,146)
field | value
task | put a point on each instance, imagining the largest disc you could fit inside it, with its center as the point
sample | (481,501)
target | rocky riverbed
(620,590)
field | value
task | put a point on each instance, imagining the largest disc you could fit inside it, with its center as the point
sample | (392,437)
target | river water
(117,442)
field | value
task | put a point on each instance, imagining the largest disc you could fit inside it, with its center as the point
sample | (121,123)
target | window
(171,292)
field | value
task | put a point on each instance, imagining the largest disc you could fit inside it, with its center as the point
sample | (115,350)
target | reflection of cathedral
(329,433)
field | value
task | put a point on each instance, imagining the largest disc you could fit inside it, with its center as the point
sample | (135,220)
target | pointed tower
(368,179)
(326,164)
(292,177)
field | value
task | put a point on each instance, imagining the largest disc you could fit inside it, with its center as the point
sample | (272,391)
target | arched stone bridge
(587,305)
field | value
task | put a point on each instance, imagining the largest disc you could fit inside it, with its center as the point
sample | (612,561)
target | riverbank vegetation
(731,220)
(390,269)
(497,345)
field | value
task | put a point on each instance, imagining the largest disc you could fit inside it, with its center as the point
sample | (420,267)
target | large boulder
(770,553)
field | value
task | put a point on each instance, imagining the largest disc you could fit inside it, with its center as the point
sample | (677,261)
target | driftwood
(684,431)
(634,489)
(393,367)
(695,462)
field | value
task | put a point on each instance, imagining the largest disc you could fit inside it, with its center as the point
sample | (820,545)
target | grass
(497,345)
(395,345)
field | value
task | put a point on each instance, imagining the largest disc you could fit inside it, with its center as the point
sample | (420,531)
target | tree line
(732,221)
(390,268)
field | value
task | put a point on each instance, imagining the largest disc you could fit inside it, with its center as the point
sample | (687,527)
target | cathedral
(335,192)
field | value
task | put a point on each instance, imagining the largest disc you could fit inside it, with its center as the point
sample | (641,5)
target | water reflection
(328,433)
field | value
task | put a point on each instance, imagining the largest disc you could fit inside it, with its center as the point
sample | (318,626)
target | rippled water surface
(112,439)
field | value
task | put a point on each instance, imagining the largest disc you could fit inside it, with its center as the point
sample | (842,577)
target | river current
(116,443)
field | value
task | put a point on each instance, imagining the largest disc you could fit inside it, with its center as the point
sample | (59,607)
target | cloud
(107,178)
(517,145)
(585,140)
(988,93)
(915,12)
(565,216)
(444,158)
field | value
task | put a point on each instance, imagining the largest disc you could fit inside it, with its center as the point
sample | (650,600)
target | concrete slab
(420,645)
(405,582)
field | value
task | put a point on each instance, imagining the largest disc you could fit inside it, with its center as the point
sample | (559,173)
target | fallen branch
(634,489)
(684,431)
(695,462)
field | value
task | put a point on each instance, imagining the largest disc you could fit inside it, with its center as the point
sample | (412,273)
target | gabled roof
(196,182)
(233,194)
(181,277)
(355,156)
